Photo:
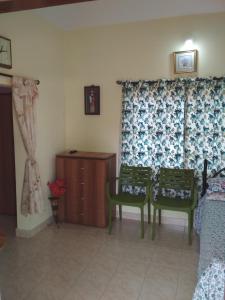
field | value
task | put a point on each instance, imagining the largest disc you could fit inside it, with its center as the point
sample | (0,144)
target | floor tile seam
(77,276)
(110,280)
(71,285)
(142,285)
(21,269)
(168,250)
(85,268)
(169,239)
(176,283)
(168,247)
(178,276)
(38,287)
(27,295)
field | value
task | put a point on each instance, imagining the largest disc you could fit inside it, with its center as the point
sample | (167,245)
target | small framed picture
(92,100)
(185,61)
(5,53)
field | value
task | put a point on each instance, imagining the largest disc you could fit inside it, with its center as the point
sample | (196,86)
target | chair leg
(142,222)
(153,224)
(159,216)
(149,212)
(110,218)
(192,219)
(120,212)
(189,227)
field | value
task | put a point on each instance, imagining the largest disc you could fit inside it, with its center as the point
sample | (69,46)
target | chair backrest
(135,176)
(176,179)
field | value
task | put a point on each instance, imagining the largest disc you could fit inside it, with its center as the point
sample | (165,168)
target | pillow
(215,196)
(216,185)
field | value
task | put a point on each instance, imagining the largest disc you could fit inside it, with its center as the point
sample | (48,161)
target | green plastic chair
(178,180)
(134,177)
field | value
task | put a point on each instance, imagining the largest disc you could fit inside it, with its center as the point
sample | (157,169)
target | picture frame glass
(92,100)
(185,61)
(5,53)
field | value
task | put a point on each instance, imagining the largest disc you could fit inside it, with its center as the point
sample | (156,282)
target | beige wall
(97,56)
(37,53)
(141,50)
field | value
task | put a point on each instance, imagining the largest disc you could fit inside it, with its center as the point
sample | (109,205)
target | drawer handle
(82,198)
(81,214)
(82,168)
(82,183)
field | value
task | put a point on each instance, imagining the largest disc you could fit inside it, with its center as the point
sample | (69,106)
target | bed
(210,225)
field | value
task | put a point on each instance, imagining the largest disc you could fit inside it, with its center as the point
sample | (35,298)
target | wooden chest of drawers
(85,175)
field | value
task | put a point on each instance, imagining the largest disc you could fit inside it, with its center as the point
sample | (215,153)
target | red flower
(57,187)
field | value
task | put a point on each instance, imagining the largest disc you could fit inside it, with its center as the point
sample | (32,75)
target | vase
(55,207)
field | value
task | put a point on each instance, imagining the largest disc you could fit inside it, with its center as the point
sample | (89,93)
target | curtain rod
(10,76)
(120,82)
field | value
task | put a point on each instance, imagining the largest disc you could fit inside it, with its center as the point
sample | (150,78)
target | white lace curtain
(25,96)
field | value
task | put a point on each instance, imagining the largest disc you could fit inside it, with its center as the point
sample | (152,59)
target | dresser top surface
(87,155)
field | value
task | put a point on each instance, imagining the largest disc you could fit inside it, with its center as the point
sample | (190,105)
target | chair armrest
(150,191)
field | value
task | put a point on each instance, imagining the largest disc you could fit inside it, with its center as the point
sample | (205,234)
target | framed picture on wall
(185,61)
(92,100)
(5,53)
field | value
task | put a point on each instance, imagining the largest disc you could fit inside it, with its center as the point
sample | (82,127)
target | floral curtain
(205,124)
(175,124)
(25,96)
(152,124)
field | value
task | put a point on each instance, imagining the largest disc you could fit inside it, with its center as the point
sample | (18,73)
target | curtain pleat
(152,124)
(205,125)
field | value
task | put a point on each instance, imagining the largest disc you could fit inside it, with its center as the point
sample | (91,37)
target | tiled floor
(82,263)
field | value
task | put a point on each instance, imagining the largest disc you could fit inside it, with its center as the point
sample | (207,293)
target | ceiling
(106,12)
